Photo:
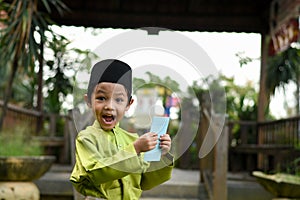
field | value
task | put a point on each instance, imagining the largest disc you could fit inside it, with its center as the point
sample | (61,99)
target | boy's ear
(86,99)
(129,103)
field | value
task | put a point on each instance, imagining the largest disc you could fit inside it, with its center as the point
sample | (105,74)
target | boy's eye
(119,100)
(100,98)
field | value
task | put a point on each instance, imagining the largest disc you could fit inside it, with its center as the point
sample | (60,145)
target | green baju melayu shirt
(107,165)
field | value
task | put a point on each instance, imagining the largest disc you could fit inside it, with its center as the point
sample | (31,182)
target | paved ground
(184,185)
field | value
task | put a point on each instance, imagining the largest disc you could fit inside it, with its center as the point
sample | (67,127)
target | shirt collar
(97,125)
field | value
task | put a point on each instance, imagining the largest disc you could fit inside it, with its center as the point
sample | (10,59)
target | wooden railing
(276,132)
(267,146)
(280,132)
(16,115)
(246,134)
(54,137)
(263,145)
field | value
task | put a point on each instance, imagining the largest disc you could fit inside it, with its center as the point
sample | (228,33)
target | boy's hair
(113,71)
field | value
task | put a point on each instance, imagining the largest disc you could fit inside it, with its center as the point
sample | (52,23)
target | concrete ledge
(55,183)
(184,184)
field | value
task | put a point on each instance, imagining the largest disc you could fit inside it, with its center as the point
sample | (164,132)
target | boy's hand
(165,144)
(146,142)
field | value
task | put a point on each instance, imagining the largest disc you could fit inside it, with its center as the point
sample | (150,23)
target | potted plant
(281,184)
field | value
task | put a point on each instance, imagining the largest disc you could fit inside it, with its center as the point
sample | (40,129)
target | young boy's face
(109,102)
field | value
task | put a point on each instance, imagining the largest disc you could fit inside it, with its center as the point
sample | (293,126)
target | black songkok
(113,71)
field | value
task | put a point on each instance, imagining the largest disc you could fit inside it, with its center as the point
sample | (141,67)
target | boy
(109,160)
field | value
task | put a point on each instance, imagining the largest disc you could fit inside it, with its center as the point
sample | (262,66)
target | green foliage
(155,81)
(24,31)
(283,68)
(22,36)
(24,89)
(165,86)
(15,142)
(3,80)
(57,83)
(241,100)
(173,128)
(62,67)
(61,63)
(244,60)
(214,88)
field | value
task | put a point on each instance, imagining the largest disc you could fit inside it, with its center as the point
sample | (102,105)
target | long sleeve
(107,165)
(157,173)
(102,166)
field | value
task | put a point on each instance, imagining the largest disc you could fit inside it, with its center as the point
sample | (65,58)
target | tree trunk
(8,91)
(297,96)
(40,89)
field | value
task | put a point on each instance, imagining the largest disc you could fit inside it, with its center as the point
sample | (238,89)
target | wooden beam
(190,22)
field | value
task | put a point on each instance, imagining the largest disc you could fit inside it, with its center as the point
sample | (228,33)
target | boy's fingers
(165,137)
(151,134)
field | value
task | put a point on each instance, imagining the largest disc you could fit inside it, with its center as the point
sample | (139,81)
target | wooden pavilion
(276,21)
(267,17)
(270,18)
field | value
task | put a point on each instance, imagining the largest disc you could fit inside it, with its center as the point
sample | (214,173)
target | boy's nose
(109,106)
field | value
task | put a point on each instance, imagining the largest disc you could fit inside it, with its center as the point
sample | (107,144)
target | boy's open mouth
(108,118)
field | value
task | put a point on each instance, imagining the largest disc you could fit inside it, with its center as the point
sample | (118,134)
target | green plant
(15,142)
(22,38)
(292,167)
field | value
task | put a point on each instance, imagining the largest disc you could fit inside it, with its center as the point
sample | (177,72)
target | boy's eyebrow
(119,93)
(99,91)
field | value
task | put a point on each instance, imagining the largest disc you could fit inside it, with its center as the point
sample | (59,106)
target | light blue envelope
(159,125)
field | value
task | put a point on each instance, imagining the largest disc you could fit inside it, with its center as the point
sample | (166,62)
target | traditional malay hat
(113,71)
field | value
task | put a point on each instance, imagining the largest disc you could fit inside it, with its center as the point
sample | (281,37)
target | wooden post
(72,135)
(220,165)
(185,135)
(52,124)
(263,93)
(204,163)
(66,149)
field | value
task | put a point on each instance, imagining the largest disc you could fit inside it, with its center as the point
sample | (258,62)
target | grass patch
(15,142)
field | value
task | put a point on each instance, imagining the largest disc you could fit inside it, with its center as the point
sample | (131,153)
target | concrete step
(184,185)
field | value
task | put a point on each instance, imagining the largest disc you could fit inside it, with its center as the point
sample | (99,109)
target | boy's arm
(158,172)
(101,168)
